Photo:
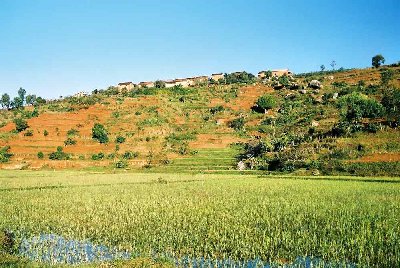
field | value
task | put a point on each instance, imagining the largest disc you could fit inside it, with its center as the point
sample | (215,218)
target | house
(126,85)
(262,74)
(218,76)
(184,82)
(81,94)
(146,84)
(198,79)
(169,83)
(279,73)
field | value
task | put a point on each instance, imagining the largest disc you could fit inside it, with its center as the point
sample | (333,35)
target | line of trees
(19,101)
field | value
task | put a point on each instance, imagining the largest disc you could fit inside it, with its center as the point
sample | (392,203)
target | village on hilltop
(190,81)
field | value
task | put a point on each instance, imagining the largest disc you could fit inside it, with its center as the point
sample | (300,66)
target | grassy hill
(209,128)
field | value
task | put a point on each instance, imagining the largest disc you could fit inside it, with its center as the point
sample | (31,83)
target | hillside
(190,129)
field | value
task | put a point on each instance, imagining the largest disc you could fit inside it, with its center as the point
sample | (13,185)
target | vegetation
(99,133)
(340,221)
(59,154)
(378,60)
(20,124)
(5,155)
(266,102)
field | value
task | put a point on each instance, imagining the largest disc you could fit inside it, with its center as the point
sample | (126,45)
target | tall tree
(378,60)
(21,94)
(5,101)
(333,64)
(322,68)
(30,99)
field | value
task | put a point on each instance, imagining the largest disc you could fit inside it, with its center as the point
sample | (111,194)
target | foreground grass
(351,219)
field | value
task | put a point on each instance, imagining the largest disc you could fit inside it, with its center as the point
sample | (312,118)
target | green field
(346,220)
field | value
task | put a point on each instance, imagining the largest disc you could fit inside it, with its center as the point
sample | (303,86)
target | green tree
(5,155)
(17,103)
(21,94)
(391,102)
(5,101)
(30,99)
(20,124)
(386,76)
(266,102)
(40,155)
(356,106)
(159,84)
(99,133)
(378,60)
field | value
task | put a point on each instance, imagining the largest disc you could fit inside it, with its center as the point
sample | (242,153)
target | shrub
(29,133)
(99,133)
(356,106)
(386,76)
(216,109)
(266,102)
(130,155)
(59,154)
(120,139)
(391,102)
(20,124)
(237,124)
(72,132)
(121,164)
(69,141)
(45,133)
(40,155)
(99,156)
(5,155)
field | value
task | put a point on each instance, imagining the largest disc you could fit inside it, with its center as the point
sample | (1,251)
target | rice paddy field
(340,221)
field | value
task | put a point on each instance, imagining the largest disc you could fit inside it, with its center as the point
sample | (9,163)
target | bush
(59,154)
(69,141)
(72,132)
(99,133)
(120,139)
(216,109)
(356,106)
(40,155)
(121,164)
(99,156)
(237,124)
(45,133)
(266,102)
(28,133)
(20,124)
(5,155)
(130,155)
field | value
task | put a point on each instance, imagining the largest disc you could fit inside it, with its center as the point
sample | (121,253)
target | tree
(266,102)
(386,76)
(99,133)
(159,84)
(17,103)
(40,101)
(20,124)
(30,99)
(333,64)
(5,101)
(356,106)
(378,60)
(21,94)
(391,102)
(322,67)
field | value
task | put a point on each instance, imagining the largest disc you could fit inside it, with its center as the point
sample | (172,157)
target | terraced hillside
(205,128)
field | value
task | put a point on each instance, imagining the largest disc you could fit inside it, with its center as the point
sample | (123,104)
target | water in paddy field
(54,249)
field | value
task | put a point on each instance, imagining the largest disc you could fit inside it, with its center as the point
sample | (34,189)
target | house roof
(125,83)
(218,74)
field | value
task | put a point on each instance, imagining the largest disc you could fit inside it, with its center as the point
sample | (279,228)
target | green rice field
(346,220)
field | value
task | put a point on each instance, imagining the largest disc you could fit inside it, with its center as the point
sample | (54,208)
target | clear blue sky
(58,47)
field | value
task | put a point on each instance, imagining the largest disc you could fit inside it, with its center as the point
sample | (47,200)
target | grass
(276,219)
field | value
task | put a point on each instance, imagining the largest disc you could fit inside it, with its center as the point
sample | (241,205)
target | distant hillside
(348,125)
